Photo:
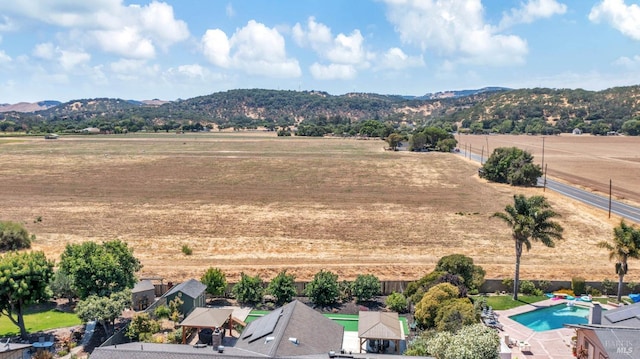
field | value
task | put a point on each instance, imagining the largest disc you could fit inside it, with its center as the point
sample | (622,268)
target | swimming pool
(554,317)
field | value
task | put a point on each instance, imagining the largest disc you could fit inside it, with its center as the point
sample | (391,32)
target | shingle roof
(379,325)
(192,288)
(143,286)
(313,333)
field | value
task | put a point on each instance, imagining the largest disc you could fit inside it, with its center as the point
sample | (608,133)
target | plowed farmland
(259,204)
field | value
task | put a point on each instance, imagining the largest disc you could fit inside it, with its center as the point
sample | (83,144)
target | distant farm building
(51,136)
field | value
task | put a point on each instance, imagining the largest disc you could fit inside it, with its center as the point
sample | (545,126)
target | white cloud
(333,71)
(6,24)
(531,11)
(254,49)
(632,63)
(396,59)
(229,10)
(124,66)
(44,51)
(125,42)
(455,30)
(193,71)
(126,30)
(622,17)
(4,58)
(345,53)
(70,59)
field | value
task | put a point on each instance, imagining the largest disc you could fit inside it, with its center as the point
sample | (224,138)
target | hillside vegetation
(490,110)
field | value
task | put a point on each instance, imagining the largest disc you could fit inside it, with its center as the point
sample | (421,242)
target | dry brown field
(259,204)
(585,160)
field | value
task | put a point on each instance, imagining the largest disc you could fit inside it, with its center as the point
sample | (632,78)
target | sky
(76,49)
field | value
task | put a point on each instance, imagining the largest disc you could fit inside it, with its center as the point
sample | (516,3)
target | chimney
(595,314)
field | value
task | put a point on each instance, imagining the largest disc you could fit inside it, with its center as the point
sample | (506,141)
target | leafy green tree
(282,287)
(454,314)
(530,219)
(471,342)
(100,269)
(397,302)
(323,290)
(417,141)
(365,287)
(625,245)
(447,144)
(631,127)
(427,308)
(62,286)
(461,265)
(511,165)
(13,236)
(248,290)
(394,140)
(24,280)
(140,325)
(104,310)
(215,280)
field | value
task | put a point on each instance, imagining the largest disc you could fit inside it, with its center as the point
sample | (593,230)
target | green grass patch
(35,322)
(502,302)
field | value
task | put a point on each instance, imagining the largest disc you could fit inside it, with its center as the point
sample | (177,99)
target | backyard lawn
(503,302)
(35,322)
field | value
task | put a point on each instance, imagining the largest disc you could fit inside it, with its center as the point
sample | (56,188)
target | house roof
(180,351)
(619,342)
(6,346)
(207,318)
(143,286)
(379,325)
(292,330)
(192,288)
(625,316)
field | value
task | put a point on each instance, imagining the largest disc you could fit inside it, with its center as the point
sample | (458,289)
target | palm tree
(530,220)
(626,244)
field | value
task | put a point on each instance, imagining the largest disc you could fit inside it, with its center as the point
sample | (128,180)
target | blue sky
(72,49)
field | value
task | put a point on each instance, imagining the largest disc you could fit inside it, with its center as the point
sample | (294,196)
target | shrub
(365,287)
(427,309)
(544,285)
(462,266)
(578,285)
(323,289)
(62,352)
(346,291)
(455,314)
(175,336)
(187,250)
(632,286)
(608,287)
(508,282)
(511,165)
(162,311)
(527,287)
(140,325)
(592,291)
(13,236)
(397,302)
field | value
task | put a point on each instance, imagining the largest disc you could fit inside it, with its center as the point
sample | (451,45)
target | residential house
(143,295)
(192,293)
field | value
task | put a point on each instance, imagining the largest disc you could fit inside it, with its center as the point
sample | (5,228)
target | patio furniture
(524,346)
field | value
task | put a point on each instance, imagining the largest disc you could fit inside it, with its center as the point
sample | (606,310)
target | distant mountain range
(28,106)
(461,93)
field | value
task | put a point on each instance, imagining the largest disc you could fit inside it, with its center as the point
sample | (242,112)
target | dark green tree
(282,287)
(24,280)
(631,127)
(365,287)
(530,219)
(248,290)
(215,280)
(323,290)
(397,302)
(100,269)
(13,236)
(461,265)
(625,245)
(511,165)
(394,140)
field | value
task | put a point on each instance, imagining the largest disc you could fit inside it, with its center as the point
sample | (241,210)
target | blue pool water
(553,317)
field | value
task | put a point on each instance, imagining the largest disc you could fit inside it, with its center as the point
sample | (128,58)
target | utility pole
(542,151)
(609,197)
(544,183)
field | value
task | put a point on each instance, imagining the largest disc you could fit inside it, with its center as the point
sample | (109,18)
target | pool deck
(551,344)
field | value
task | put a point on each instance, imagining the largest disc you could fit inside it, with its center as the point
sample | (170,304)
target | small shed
(10,350)
(207,318)
(380,329)
(143,295)
(192,293)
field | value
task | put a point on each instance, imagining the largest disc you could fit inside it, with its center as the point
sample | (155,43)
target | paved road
(623,210)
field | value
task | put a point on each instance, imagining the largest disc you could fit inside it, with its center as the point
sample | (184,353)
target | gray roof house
(191,292)
(611,334)
(143,295)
